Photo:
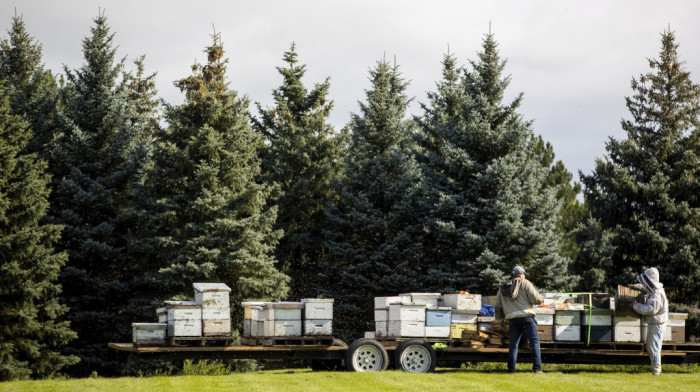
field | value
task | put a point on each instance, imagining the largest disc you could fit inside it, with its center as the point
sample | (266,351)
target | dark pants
(516,329)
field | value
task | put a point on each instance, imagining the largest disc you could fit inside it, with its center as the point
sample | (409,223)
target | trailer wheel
(329,364)
(415,356)
(366,355)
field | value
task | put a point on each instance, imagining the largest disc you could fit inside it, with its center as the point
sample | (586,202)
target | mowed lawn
(557,379)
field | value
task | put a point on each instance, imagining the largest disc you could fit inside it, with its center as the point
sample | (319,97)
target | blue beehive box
(438,318)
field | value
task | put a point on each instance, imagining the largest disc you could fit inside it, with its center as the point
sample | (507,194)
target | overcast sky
(573,60)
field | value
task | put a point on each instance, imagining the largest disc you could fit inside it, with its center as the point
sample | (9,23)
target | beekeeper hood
(649,279)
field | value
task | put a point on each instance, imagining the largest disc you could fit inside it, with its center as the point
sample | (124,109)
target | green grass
(476,378)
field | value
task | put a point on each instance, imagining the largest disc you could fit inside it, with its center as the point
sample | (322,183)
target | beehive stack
(216,309)
(252,319)
(283,319)
(545,323)
(567,325)
(318,316)
(149,334)
(676,326)
(627,328)
(437,322)
(381,312)
(184,318)
(599,323)
(406,320)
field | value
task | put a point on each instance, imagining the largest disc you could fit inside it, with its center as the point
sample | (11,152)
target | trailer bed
(605,353)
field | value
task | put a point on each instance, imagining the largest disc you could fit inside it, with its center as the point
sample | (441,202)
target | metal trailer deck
(417,355)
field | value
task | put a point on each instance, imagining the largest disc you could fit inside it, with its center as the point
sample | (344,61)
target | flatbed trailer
(418,355)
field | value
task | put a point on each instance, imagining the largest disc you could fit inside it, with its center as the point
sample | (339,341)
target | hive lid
(485,319)
(678,316)
(178,304)
(162,310)
(472,312)
(284,305)
(317,300)
(150,325)
(423,295)
(204,287)
(253,303)
(441,308)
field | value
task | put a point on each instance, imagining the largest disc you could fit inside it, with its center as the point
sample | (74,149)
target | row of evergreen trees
(111,201)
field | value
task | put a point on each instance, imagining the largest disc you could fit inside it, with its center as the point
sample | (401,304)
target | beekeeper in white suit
(655,312)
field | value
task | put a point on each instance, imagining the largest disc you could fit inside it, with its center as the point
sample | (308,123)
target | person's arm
(651,307)
(533,296)
(498,307)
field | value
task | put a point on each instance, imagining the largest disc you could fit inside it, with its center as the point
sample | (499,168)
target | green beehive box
(567,317)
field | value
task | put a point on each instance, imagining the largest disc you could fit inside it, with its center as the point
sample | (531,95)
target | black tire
(326,365)
(415,356)
(366,355)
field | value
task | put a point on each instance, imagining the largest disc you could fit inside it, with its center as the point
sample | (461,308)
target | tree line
(112,201)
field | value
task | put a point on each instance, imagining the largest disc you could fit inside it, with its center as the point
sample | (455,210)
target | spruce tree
(301,155)
(488,207)
(572,211)
(373,227)
(31,329)
(96,162)
(645,193)
(207,218)
(32,89)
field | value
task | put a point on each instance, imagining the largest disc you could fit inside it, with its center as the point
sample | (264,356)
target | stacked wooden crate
(213,298)
(318,316)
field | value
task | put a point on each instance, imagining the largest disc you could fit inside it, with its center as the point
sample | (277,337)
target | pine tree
(31,329)
(373,227)
(32,89)
(302,155)
(572,211)
(645,194)
(487,203)
(207,217)
(97,161)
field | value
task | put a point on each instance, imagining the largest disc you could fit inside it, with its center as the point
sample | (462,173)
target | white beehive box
(248,308)
(283,311)
(162,315)
(149,333)
(407,329)
(567,333)
(213,295)
(281,328)
(620,321)
(428,299)
(216,313)
(437,332)
(318,308)
(216,327)
(677,319)
(323,327)
(464,317)
(381,314)
(462,301)
(596,318)
(624,333)
(384,302)
(544,316)
(407,313)
(184,318)
(380,329)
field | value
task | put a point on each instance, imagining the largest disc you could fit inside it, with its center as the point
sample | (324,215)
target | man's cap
(518,268)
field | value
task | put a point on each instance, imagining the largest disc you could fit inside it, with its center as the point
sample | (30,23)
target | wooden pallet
(200,340)
(297,341)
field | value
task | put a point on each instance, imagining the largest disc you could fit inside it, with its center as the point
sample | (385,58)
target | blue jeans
(516,329)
